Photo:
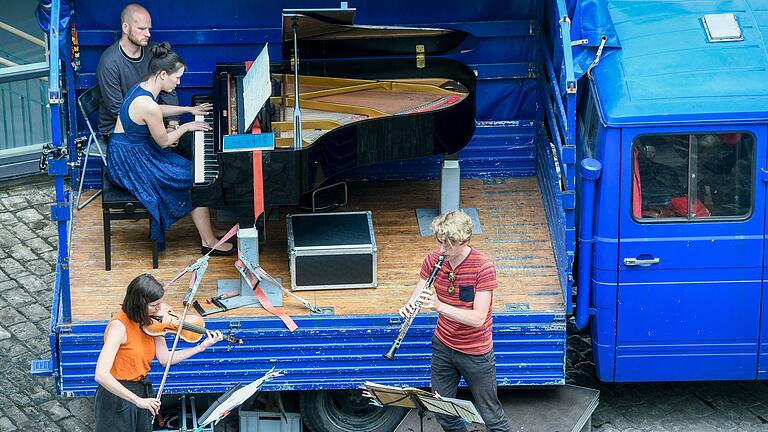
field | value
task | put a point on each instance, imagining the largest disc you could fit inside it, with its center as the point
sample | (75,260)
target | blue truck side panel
(329,353)
(556,205)
(762,360)
(504,49)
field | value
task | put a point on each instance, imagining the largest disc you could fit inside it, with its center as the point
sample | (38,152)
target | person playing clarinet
(462,296)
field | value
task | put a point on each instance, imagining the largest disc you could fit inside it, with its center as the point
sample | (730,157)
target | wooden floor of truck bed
(515,235)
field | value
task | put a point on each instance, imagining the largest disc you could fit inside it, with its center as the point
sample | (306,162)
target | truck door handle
(630,262)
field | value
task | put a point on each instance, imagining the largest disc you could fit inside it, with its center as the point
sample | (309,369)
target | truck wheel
(347,411)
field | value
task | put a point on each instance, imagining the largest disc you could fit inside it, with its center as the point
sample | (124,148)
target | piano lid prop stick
(297,142)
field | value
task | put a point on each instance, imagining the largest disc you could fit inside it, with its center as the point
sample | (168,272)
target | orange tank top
(134,356)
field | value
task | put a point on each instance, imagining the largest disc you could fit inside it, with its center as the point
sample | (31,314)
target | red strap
(287,320)
(271,309)
(258,186)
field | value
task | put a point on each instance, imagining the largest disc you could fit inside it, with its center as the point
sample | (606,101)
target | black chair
(119,204)
(89,102)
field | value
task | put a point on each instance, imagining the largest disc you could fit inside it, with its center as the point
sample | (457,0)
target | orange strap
(287,320)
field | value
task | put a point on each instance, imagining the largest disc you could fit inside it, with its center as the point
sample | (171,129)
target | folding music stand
(233,398)
(422,401)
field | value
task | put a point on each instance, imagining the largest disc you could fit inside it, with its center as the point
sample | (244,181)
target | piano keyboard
(206,164)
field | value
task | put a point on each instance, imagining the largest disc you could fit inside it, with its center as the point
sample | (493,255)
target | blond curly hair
(454,227)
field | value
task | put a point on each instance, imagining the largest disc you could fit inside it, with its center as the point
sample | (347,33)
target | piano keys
(206,165)
(222,180)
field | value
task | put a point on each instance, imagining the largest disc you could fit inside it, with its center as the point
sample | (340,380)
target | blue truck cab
(677,119)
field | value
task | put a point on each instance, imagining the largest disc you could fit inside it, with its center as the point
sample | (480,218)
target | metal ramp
(564,409)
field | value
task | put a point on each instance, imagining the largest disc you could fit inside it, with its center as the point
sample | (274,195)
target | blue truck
(623,138)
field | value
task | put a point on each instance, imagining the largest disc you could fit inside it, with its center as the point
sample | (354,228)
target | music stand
(233,398)
(422,401)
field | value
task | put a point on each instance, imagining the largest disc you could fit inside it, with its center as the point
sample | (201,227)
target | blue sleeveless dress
(156,176)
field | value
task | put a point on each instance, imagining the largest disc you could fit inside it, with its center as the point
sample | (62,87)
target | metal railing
(24,113)
(557,145)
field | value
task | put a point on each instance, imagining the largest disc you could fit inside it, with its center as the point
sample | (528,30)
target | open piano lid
(330,33)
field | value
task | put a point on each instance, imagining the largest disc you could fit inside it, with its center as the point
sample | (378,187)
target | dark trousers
(115,414)
(479,371)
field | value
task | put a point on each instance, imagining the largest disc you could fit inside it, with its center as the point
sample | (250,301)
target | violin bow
(197,270)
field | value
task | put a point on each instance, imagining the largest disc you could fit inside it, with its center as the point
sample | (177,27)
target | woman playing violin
(124,399)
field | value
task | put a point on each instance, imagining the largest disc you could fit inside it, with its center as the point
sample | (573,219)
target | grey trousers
(479,371)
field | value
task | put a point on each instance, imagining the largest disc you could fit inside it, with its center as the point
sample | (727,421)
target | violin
(192,330)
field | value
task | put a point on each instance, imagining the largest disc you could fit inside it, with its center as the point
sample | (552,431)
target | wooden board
(515,235)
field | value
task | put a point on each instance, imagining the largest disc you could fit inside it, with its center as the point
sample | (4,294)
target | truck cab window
(588,124)
(692,176)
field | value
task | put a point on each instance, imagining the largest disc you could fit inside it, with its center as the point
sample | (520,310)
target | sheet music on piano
(256,88)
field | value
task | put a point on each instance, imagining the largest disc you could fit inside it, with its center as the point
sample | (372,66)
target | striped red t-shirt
(476,273)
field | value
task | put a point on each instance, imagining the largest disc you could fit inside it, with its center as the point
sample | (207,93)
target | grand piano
(367,95)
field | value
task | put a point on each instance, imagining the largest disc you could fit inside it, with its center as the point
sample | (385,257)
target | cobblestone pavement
(27,256)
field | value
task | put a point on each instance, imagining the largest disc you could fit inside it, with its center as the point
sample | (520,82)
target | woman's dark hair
(164,59)
(143,290)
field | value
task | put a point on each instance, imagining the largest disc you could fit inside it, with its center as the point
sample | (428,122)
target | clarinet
(390,355)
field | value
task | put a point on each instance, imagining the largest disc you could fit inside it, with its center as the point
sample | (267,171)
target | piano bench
(119,204)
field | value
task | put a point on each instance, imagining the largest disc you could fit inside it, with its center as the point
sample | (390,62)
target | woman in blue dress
(140,158)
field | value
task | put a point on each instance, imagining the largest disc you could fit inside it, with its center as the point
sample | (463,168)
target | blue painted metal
(331,352)
(559,186)
(696,314)
(558,206)
(605,252)
(57,162)
(43,367)
(509,144)
(590,172)
(342,351)
(567,73)
(650,79)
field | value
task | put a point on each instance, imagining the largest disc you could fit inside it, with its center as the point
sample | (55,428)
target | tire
(347,411)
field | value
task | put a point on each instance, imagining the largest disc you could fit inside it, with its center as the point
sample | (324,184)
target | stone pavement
(27,256)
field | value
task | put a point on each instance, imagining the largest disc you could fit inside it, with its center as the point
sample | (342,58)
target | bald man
(125,63)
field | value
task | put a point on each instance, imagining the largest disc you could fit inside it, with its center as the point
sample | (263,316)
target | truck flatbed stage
(515,236)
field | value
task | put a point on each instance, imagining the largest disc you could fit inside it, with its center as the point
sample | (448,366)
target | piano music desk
(515,235)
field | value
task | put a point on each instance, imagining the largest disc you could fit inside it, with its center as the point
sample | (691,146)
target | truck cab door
(691,254)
